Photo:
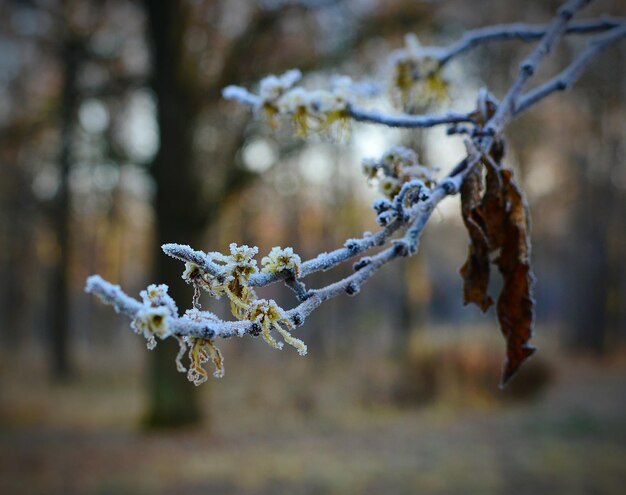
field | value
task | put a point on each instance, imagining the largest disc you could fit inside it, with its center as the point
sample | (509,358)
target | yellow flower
(152,322)
(271,316)
(417,76)
(389,186)
(280,259)
(241,262)
(199,353)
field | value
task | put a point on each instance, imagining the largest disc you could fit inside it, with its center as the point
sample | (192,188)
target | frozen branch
(186,253)
(570,75)
(410,192)
(521,32)
(529,65)
(112,295)
(212,327)
(327,261)
(241,95)
(406,121)
(207,328)
(255,102)
(366,267)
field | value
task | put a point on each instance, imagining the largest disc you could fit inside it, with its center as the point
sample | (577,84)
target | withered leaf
(493,208)
(475,270)
(515,304)
(498,220)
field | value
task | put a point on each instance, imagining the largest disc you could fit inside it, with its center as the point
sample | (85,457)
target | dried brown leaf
(516,304)
(475,270)
(498,220)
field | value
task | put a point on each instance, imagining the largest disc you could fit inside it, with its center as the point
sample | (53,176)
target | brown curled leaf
(498,221)
(516,304)
(475,270)
(493,207)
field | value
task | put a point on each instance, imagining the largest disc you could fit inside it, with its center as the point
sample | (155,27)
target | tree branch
(242,95)
(521,32)
(530,64)
(406,121)
(212,327)
(570,75)
(189,255)
(408,210)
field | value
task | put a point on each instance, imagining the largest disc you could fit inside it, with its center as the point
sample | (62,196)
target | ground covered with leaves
(322,428)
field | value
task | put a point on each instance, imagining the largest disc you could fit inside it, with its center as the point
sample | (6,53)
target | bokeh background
(114,139)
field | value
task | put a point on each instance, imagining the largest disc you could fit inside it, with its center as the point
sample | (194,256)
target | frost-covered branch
(112,295)
(281,96)
(327,261)
(570,75)
(206,325)
(190,255)
(322,262)
(529,65)
(493,205)
(313,101)
(520,32)
(406,121)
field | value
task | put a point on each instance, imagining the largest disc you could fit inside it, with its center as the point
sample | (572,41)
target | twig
(212,328)
(521,32)
(530,64)
(569,75)
(242,95)
(407,121)
(188,254)
(124,304)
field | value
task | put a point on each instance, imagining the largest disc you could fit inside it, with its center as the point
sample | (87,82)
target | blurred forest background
(114,139)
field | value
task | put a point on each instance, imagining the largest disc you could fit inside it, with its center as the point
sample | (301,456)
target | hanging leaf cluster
(497,219)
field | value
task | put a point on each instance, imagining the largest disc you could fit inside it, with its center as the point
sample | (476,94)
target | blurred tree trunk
(16,255)
(589,284)
(182,213)
(60,216)
(596,284)
(596,287)
(180,216)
